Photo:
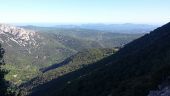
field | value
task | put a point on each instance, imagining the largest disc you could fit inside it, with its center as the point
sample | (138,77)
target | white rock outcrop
(18,35)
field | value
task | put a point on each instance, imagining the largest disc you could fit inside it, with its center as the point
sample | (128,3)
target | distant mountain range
(114,28)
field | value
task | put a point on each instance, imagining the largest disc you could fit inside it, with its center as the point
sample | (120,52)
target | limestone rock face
(29,47)
(22,37)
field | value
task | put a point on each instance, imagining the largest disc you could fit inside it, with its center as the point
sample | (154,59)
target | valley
(84,48)
(39,58)
(30,49)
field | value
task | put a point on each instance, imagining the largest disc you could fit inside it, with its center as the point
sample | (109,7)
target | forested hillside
(80,60)
(84,48)
(27,51)
(134,70)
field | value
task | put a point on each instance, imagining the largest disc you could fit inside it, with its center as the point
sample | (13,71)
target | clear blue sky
(85,11)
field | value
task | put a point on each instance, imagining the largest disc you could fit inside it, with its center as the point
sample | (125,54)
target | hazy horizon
(77,24)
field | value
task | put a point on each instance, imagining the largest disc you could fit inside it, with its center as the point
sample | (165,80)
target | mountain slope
(27,51)
(137,68)
(25,43)
(133,71)
(83,58)
(75,62)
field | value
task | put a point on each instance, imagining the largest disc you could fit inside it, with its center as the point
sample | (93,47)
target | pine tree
(3,84)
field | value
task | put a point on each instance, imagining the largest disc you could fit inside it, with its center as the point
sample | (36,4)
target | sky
(85,11)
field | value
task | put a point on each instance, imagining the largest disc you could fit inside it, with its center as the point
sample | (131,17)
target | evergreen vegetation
(80,60)
(88,66)
(55,45)
(5,88)
(3,83)
(134,70)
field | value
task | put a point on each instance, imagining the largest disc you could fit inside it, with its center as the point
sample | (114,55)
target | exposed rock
(18,35)
(30,47)
(163,90)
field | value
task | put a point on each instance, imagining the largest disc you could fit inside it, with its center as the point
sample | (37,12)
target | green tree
(3,83)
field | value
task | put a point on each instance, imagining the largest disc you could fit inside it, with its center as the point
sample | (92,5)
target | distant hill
(114,28)
(134,70)
(105,38)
